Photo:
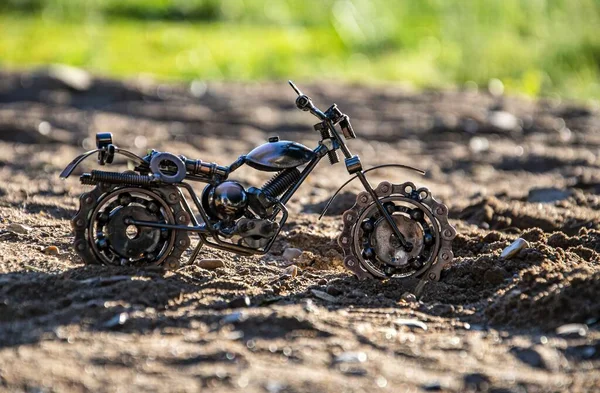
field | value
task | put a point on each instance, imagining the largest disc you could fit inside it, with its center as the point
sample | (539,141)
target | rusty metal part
(102,236)
(420,218)
(383,240)
(256,233)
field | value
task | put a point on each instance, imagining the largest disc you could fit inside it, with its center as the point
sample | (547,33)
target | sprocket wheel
(103,237)
(371,250)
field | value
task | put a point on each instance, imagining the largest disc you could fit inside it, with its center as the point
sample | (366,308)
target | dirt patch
(488,325)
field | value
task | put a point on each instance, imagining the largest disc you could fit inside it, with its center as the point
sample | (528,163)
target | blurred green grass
(536,47)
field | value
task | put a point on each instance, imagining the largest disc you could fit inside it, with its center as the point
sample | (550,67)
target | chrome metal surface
(142,218)
(228,200)
(370,251)
(102,235)
(161,161)
(79,159)
(275,156)
(386,248)
(421,172)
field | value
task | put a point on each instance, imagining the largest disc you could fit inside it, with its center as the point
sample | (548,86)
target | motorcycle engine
(225,201)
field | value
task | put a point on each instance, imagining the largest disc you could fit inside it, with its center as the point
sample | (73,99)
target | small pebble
(514,248)
(19,228)
(243,301)
(441,309)
(529,356)
(351,357)
(494,276)
(334,291)
(355,371)
(479,144)
(358,293)
(411,323)
(291,271)
(408,297)
(503,120)
(476,382)
(291,253)
(51,250)
(210,264)
(232,318)
(322,281)
(433,386)
(117,320)
(323,295)
(547,195)
(75,78)
(572,330)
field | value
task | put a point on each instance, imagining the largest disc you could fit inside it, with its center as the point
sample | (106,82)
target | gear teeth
(407,190)
(88,201)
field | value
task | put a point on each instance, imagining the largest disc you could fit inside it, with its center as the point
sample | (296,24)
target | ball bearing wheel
(370,247)
(102,235)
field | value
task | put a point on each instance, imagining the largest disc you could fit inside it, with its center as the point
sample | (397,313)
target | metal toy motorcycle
(144,217)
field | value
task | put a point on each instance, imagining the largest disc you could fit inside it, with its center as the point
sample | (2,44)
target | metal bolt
(173,264)
(416,215)
(89,200)
(428,238)
(445,256)
(125,199)
(368,226)
(103,218)
(439,210)
(432,276)
(368,253)
(182,242)
(173,197)
(364,199)
(385,188)
(81,246)
(447,233)
(102,243)
(350,263)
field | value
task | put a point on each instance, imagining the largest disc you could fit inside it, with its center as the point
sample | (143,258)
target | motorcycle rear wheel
(103,237)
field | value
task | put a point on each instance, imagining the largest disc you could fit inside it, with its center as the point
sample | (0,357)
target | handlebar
(332,115)
(304,103)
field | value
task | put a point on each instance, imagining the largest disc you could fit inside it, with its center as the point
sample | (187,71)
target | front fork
(354,167)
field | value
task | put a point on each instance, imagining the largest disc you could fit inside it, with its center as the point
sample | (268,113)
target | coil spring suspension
(281,182)
(333,156)
(96,177)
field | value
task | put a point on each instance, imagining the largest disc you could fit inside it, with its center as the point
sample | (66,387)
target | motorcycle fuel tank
(276,156)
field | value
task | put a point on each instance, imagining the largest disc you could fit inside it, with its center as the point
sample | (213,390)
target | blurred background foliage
(536,47)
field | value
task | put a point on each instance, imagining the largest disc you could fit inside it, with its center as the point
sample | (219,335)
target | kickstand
(420,286)
(195,252)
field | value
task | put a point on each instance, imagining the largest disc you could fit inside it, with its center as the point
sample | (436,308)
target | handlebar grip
(347,128)
(303,102)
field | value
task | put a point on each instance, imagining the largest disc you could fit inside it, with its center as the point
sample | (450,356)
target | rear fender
(419,171)
(79,159)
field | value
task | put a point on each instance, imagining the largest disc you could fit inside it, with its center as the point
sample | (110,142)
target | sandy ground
(506,167)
